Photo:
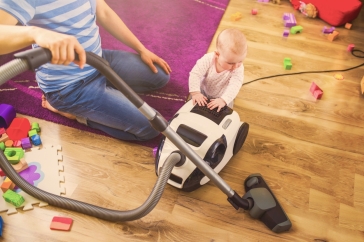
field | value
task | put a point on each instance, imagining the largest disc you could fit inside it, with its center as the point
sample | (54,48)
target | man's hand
(218,103)
(62,47)
(198,98)
(150,58)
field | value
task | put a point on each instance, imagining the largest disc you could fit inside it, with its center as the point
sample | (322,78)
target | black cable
(306,72)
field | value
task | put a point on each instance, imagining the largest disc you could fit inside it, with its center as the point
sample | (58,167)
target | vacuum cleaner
(259,200)
(214,136)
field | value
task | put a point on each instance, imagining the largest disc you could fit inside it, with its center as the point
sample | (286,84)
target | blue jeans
(96,103)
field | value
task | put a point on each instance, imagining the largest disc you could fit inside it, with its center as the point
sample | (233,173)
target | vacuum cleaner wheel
(240,137)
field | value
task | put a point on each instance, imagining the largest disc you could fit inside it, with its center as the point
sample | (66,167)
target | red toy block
(18,129)
(350,47)
(61,223)
(2,173)
(316,91)
(254,11)
(348,25)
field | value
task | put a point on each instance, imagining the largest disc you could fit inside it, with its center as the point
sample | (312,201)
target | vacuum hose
(32,59)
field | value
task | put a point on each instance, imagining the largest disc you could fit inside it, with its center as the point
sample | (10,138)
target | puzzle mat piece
(48,159)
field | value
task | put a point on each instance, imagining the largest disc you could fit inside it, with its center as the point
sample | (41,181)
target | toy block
(61,223)
(333,36)
(14,154)
(286,33)
(32,132)
(25,143)
(316,91)
(17,143)
(18,129)
(36,140)
(236,16)
(7,184)
(4,137)
(287,63)
(296,29)
(263,1)
(327,30)
(350,47)
(254,11)
(21,166)
(35,126)
(2,173)
(2,131)
(362,86)
(7,115)
(1,226)
(14,198)
(289,20)
(348,25)
(2,146)
(9,143)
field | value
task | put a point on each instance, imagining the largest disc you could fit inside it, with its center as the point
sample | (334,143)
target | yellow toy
(236,16)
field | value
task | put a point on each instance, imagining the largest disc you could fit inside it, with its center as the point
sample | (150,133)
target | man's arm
(13,38)
(110,21)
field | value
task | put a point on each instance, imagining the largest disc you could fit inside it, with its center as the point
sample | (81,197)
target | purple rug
(179,31)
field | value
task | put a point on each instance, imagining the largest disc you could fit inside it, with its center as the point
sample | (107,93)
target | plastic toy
(254,11)
(333,36)
(18,129)
(36,140)
(7,184)
(35,126)
(61,223)
(21,166)
(1,226)
(13,198)
(286,33)
(287,64)
(289,20)
(25,143)
(14,154)
(350,47)
(2,131)
(308,9)
(2,146)
(326,30)
(236,16)
(7,114)
(32,132)
(9,143)
(263,1)
(348,25)
(339,77)
(316,91)
(258,198)
(296,29)
(4,137)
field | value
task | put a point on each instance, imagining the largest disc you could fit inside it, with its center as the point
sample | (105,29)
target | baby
(219,75)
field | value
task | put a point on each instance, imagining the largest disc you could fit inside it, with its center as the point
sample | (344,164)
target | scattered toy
(289,20)
(316,91)
(286,33)
(254,11)
(61,223)
(287,63)
(236,16)
(350,47)
(14,198)
(296,29)
(333,36)
(348,25)
(339,77)
(326,30)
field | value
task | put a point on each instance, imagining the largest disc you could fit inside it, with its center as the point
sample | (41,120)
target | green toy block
(14,155)
(35,126)
(32,132)
(296,29)
(287,63)
(2,146)
(14,198)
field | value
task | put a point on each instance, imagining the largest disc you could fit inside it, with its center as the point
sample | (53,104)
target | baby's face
(228,60)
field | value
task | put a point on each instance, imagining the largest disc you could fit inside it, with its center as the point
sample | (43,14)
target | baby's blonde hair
(232,40)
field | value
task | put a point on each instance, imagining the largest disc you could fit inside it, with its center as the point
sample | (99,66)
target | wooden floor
(310,152)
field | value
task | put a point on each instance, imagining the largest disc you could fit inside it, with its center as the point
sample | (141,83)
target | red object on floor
(316,91)
(18,129)
(335,12)
(61,223)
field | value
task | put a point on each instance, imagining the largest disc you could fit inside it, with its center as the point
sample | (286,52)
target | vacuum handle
(40,56)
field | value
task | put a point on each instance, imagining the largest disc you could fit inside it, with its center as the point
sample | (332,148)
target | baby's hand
(199,98)
(218,103)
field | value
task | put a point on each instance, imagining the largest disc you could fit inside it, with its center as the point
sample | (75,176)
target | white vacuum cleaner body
(214,136)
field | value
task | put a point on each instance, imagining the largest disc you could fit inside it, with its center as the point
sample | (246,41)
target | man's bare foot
(45,104)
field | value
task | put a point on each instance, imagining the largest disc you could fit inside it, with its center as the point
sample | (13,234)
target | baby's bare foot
(45,104)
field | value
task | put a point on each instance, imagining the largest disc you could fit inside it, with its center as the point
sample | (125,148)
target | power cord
(353,52)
